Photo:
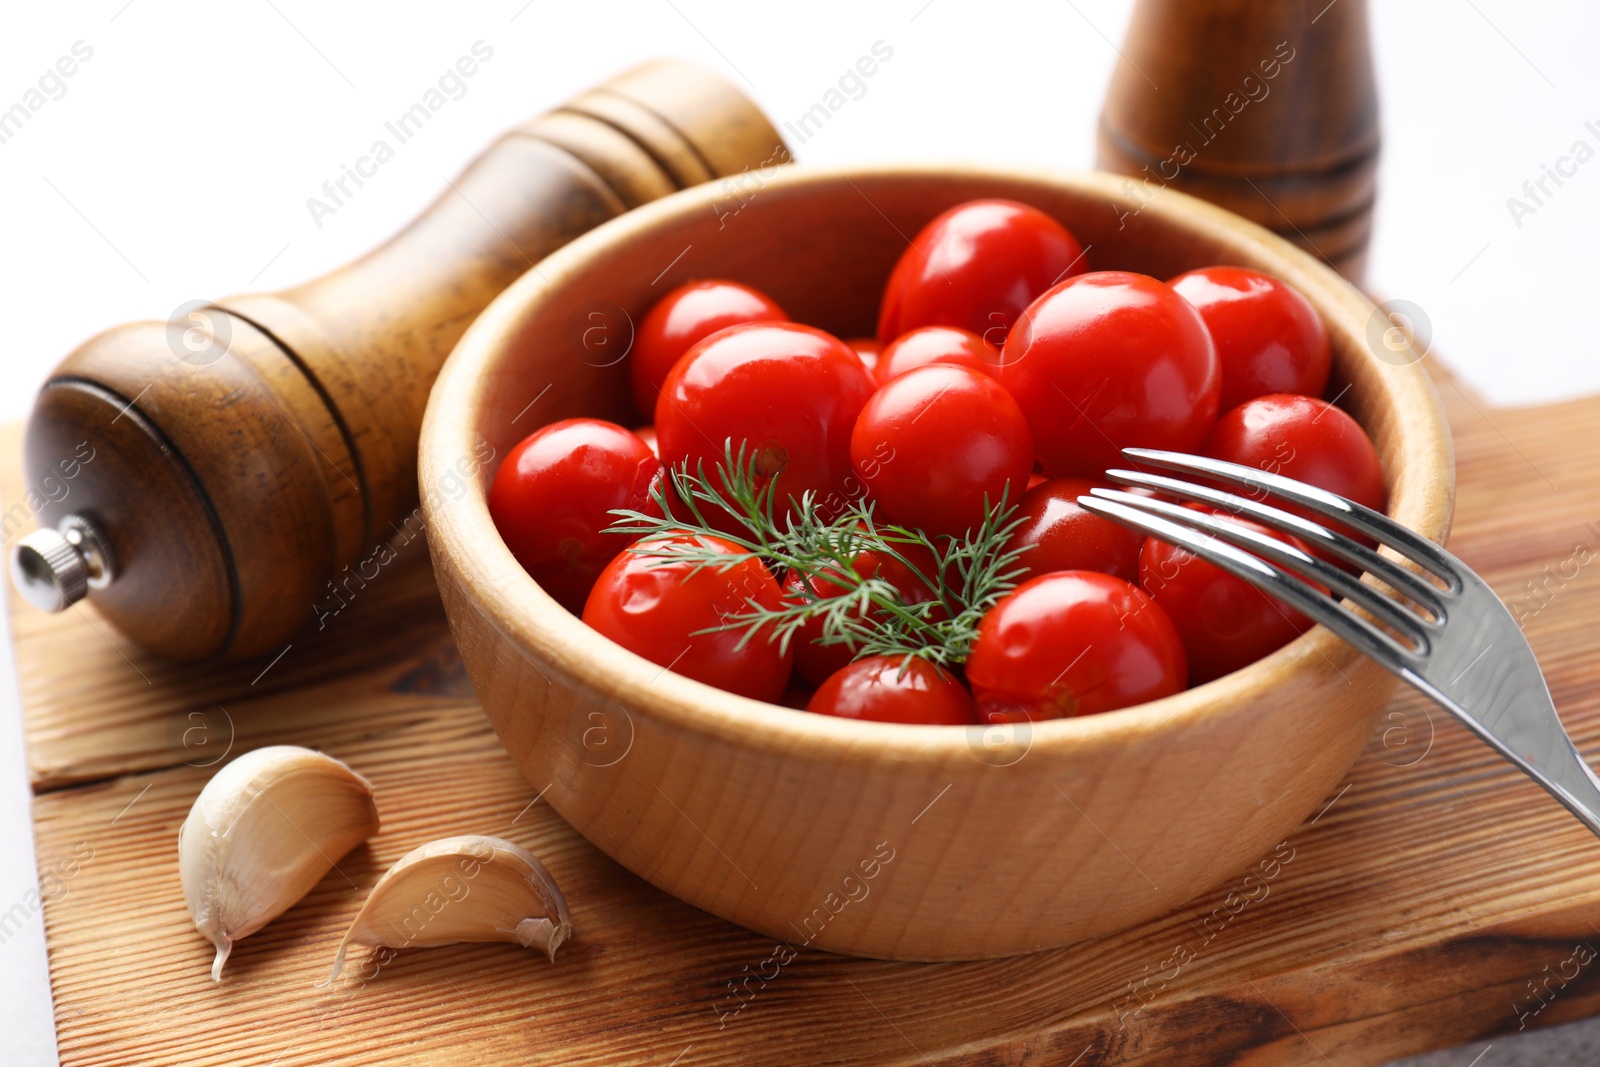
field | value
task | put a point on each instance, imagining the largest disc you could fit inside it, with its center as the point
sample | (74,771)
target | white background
(178,161)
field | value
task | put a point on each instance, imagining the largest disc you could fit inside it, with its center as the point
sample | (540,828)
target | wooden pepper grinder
(1264,107)
(223,467)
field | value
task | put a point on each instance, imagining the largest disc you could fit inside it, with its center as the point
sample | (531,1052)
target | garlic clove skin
(262,832)
(461,889)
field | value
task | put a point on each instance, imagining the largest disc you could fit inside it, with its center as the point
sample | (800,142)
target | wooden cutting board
(1439,897)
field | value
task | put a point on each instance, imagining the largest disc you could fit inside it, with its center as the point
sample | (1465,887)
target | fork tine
(1270,579)
(1392,574)
(1410,625)
(1346,512)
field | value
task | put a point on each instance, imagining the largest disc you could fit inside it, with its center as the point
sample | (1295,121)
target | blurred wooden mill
(1266,107)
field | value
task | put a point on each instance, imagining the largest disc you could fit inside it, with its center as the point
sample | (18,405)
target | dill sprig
(967,575)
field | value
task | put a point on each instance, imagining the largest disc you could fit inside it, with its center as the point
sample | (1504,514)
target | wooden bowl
(900,842)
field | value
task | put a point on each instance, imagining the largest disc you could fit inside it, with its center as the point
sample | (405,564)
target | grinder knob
(54,569)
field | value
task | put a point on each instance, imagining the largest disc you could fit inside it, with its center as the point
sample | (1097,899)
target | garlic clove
(461,889)
(262,832)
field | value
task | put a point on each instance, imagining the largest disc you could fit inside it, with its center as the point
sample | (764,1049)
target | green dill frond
(967,577)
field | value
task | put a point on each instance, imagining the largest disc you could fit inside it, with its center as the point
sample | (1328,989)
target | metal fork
(1464,649)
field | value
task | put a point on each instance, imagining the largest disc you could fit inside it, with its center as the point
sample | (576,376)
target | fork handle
(1529,734)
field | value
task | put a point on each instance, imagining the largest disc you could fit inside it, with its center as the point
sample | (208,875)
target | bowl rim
(504,593)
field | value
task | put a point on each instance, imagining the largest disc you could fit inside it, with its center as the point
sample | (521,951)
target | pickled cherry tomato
(870,352)
(1061,536)
(1304,438)
(1073,643)
(658,609)
(647,434)
(1107,361)
(789,393)
(936,344)
(1269,338)
(551,501)
(683,318)
(940,445)
(1225,622)
(977,266)
(895,689)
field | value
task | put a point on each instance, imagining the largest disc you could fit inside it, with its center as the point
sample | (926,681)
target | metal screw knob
(54,569)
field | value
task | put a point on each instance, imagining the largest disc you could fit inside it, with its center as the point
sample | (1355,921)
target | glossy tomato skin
(977,266)
(893,689)
(1073,643)
(1225,622)
(790,392)
(1061,536)
(654,608)
(870,352)
(647,434)
(936,344)
(1304,438)
(1108,361)
(1269,338)
(682,319)
(938,445)
(552,496)
(816,662)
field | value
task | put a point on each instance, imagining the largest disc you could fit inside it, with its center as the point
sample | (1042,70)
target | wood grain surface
(1438,898)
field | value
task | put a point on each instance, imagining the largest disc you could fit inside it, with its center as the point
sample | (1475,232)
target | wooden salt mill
(224,466)
(1264,107)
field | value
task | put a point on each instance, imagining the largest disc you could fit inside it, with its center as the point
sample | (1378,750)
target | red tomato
(790,392)
(977,266)
(1226,623)
(936,344)
(551,499)
(894,689)
(656,607)
(869,350)
(661,485)
(817,662)
(682,319)
(939,445)
(1269,338)
(647,434)
(1073,643)
(1305,438)
(1108,361)
(1064,537)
